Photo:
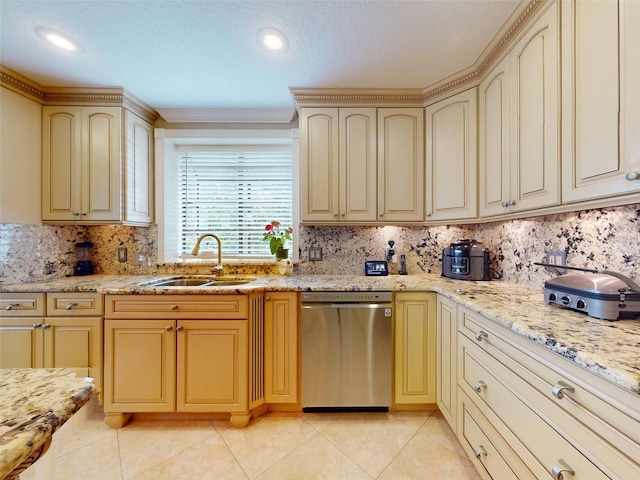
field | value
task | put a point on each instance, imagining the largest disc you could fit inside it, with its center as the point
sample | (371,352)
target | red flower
(269,227)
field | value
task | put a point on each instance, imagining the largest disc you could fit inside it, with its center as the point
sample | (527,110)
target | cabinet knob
(381,215)
(179,329)
(479,386)
(480,451)
(335,214)
(37,325)
(174,307)
(511,203)
(560,467)
(45,326)
(631,176)
(71,306)
(11,306)
(75,214)
(428,215)
(480,335)
(267,299)
(169,328)
(342,214)
(504,204)
(560,387)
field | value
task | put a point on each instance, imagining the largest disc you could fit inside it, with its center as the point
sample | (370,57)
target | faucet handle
(218,270)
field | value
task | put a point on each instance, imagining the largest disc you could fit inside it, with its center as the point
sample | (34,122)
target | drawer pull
(11,306)
(479,386)
(169,328)
(558,389)
(174,307)
(480,335)
(71,306)
(480,451)
(560,467)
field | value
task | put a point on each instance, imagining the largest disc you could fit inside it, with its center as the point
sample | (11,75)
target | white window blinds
(234,193)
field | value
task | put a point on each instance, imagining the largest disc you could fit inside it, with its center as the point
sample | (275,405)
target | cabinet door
(21,342)
(600,98)
(61,163)
(535,116)
(212,364)
(415,348)
(446,353)
(358,167)
(281,347)
(494,140)
(452,157)
(140,365)
(101,167)
(401,164)
(74,343)
(138,180)
(319,169)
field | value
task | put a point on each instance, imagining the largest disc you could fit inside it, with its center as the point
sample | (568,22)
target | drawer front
(22,304)
(491,388)
(177,306)
(486,448)
(85,304)
(603,418)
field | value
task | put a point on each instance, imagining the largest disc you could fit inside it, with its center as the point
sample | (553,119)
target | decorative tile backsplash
(602,238)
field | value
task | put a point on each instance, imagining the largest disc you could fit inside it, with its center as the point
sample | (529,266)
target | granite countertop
(608,349)
(34,403)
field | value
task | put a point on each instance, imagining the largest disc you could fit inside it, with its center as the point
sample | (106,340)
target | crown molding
(104,96)
(356,97)
(227,115)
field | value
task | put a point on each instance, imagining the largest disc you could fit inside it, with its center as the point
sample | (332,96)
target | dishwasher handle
(345,305)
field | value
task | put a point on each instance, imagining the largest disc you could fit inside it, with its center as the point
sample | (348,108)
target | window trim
(167,142)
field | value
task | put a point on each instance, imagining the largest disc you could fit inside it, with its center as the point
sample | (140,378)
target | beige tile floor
(282,446)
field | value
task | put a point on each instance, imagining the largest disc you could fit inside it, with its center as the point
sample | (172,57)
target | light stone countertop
(34,403)
(608,349)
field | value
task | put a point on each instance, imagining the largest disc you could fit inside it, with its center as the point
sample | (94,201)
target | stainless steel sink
(200,282)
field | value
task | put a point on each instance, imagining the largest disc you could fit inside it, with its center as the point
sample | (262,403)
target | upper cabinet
(519,124)
(600,99)
(452,157)
(362,164)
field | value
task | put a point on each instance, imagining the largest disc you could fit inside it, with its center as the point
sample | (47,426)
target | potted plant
(277,236)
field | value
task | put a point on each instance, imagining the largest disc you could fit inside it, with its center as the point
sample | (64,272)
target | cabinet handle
(560,386)
(504,204)
(75,214)
(480,335)
(631,176)
(45,326)
(428,215)
(11,306)
(480,451)
(71,306)
(267,299)
(335,214)
(179,329)
(37,325)
(479,386)
(380,215)
(560,467)
(169,328)
(511,203)
(174,307)
(342,214)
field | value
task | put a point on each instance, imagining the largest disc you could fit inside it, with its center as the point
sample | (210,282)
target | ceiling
(204,53)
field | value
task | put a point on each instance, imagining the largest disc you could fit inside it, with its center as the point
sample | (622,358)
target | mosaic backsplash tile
(602,238)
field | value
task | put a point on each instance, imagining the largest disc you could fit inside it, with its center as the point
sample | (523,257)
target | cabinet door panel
(20,343)
(139,361)
(319,168)
(281,348)
(139,175)
(212,366)
(446,351)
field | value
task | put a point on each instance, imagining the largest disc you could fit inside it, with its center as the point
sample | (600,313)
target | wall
(20,157)
(603,238)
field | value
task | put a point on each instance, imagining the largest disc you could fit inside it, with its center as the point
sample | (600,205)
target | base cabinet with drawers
(525,412)
(52,330)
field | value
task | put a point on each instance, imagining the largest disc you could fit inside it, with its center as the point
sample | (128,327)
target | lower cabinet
(415,348)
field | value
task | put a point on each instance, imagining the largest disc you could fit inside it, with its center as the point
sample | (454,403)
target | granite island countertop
(608,349)
(34,403)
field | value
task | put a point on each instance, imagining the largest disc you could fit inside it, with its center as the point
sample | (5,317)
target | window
(233,191)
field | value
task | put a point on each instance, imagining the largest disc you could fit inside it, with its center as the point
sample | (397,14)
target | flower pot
(282,253)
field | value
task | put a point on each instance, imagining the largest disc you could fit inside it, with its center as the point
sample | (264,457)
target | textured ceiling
(204,54)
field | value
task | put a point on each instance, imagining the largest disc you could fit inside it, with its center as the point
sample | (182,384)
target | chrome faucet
(218,269)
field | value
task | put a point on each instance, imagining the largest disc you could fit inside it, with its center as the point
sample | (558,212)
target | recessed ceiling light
(59,39)
(273,39)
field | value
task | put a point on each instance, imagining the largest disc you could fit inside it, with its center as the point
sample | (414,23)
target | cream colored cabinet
(183,353)
(69,336)
(338,168)
(281,347)
(446,354)
(452,157)
(415,348)
(544,415)
(87,154)
(519,124)
(401,164)
(600,99)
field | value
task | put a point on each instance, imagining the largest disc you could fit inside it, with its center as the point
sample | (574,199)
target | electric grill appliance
(466,259)
(605,295)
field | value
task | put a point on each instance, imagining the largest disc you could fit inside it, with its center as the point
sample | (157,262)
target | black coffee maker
(83,253)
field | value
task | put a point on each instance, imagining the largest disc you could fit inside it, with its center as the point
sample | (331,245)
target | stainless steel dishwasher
(346,351)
